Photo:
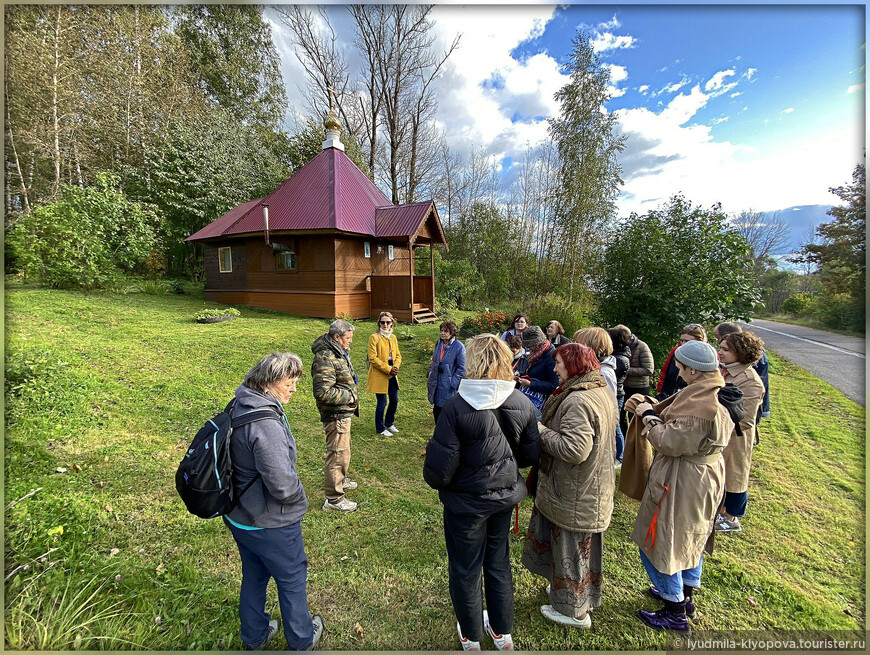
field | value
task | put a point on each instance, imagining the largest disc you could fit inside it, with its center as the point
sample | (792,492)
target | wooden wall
(236,279)
(315,261)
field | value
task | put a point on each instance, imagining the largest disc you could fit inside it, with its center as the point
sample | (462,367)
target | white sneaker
(557,617)
(349,484)
(467,644)
(344,506)
(502,642)
(386,433)
(393,429)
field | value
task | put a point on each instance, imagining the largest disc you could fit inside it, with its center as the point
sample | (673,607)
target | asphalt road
(838,360)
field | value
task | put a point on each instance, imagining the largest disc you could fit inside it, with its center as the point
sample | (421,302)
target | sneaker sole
(493,636)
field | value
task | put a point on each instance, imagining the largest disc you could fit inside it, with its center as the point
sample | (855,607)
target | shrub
(88,238)
(484,322)
(551,307)
(839,311)
(800,304)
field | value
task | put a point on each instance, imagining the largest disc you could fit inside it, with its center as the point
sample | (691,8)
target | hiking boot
(349,485)
(467,644)
(393,429)
(724,524)
(671,617)
(691,612)
(273,630)
(317,621)
(502,642)
(557,617)
(386,433)
(344,505)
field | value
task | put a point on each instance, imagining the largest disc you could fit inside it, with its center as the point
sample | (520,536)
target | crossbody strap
(247,419)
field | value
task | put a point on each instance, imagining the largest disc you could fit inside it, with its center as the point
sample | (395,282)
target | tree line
(176,115)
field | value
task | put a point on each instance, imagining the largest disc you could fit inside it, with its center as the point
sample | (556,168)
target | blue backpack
(204,479)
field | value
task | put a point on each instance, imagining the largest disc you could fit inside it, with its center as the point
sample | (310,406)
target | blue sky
(757,107)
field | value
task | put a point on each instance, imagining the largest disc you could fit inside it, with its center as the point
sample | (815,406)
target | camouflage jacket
(335,386)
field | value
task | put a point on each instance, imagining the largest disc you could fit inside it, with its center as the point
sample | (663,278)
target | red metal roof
(329,192)
(401,220)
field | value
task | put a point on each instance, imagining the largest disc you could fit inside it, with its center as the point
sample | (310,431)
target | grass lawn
(104,392)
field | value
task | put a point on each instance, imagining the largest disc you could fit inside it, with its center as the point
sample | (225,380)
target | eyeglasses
(385,322)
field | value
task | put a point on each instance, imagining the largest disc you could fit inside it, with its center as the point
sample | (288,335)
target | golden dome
(331,121)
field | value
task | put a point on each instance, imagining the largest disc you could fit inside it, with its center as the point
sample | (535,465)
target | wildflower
(118,578)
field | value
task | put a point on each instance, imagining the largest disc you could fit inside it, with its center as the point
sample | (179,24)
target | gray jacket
(277,498)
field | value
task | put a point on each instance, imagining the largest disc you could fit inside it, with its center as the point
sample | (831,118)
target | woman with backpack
(576,481)
(485,434)
(685,483)
(266,521)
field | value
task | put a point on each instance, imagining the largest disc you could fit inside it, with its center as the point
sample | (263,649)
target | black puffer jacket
(484,435)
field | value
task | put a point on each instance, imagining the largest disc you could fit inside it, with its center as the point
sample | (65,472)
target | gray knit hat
(533,336)
(698,355)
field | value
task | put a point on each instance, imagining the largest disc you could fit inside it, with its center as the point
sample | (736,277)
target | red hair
(578,359)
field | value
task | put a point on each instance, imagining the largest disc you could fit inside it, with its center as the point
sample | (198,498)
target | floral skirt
(571,561)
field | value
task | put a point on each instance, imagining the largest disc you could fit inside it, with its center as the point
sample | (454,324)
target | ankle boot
(690,604)
(671,617)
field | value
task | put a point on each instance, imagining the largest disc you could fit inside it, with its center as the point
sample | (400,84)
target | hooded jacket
(608,371)
(738,452)
(335,383)
(622,357)
(267,448)
(484,435)
(641,365)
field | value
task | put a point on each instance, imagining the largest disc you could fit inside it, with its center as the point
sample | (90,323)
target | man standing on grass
(337,398)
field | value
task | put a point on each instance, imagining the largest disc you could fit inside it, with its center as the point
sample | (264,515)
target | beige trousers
(337,458)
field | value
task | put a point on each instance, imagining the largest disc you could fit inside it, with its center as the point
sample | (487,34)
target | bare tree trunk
(54,102)
(25,201)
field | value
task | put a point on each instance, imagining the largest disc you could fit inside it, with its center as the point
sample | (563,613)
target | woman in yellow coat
(384,362)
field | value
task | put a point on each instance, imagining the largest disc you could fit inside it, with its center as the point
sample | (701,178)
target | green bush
(551,307)
(800,304)
(88,238)
(839,311)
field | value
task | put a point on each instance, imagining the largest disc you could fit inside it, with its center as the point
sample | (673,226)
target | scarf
(540,350)
(386,333)
(592,380)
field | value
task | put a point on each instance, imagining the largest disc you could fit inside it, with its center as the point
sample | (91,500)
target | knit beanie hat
(698,355)
(533,336)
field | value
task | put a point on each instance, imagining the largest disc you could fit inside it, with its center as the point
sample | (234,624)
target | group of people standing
(501,405)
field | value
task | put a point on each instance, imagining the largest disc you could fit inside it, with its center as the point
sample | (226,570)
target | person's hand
(394,371)
(632,403)
(641,408)
(526,382)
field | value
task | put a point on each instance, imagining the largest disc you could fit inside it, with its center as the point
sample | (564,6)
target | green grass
(808,322)
(112,388)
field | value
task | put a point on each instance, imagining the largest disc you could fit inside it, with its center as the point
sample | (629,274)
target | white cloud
(604,41)
(612,24)
(617,73)
(855,88)
(750,74)
(722,119)
(788,110)
(716,82)
(643,89)
(736,93)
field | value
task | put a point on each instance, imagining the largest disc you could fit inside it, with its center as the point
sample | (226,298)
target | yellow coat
(379,369)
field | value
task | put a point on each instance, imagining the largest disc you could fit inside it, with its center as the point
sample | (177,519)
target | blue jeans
(381,422)
(735,503)
(620,439)
(274,553)
(671,586)
(475,544)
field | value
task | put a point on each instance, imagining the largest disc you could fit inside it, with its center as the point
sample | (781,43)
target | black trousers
(476,543)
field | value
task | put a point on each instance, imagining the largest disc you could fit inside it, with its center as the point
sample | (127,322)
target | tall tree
(764,233)
(841,257)
(584,133)
(675,265)
(235,61)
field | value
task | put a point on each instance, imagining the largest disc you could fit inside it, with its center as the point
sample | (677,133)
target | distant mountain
(802,219)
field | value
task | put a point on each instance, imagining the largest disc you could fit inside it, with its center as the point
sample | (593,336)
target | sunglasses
(385,322)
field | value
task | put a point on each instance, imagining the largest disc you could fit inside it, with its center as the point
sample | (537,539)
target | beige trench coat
(577,491)
(738,452)
(687,478)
